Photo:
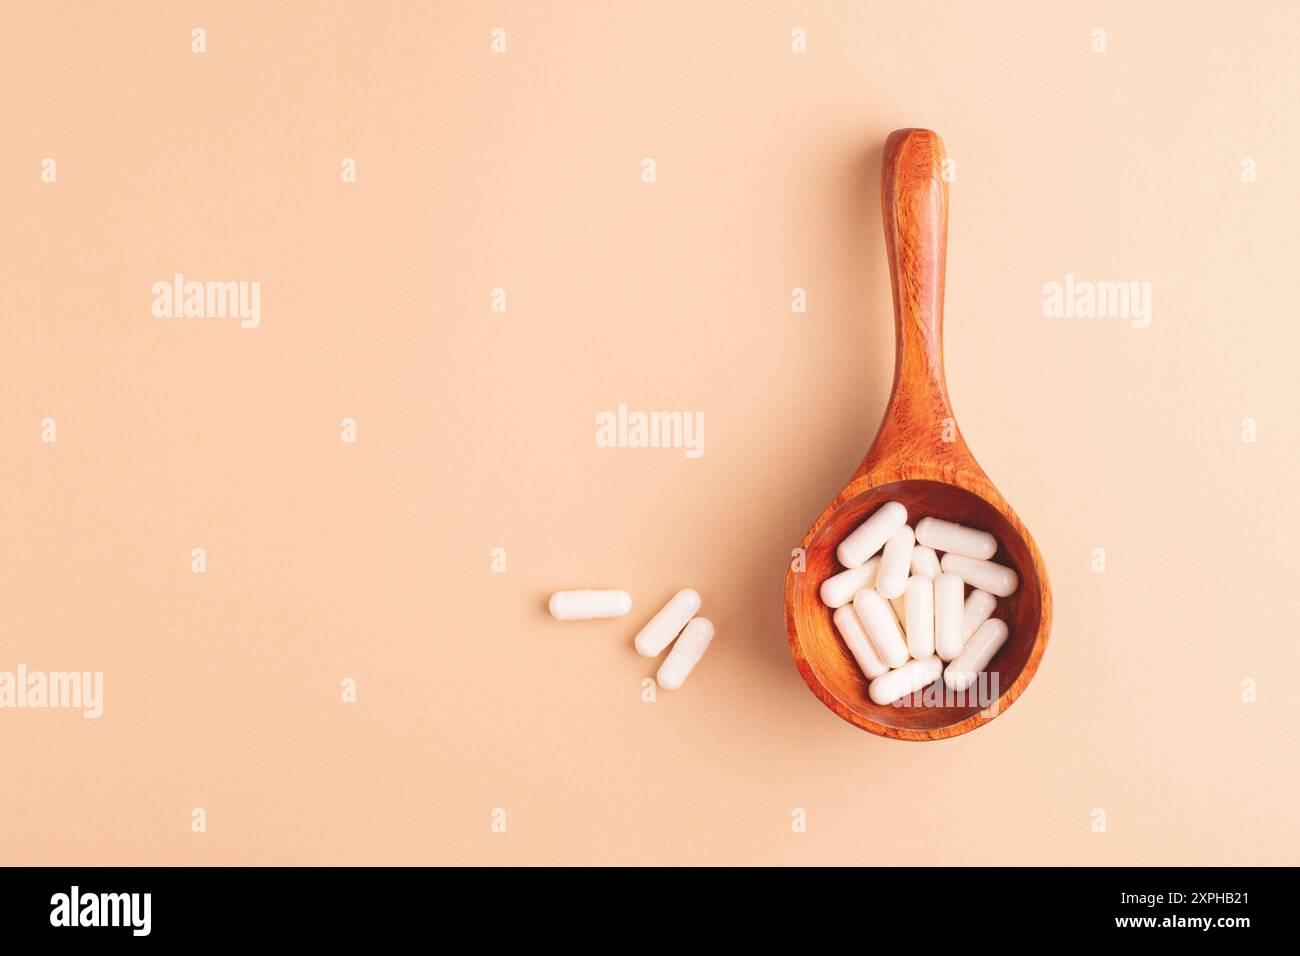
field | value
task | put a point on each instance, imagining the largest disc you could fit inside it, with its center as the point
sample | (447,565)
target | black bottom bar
(204,905)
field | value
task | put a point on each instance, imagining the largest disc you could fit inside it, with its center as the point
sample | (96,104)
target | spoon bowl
(920,459)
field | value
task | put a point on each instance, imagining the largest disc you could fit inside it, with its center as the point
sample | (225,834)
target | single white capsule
(947,536)
(686,653)
(962,672)
(979,608)
(838,589)
(878,619)
(905,680)
(850,628)
(668,623)
(870,536)
(925,563)
(586,605)
(920,616)
(985,575)
(895,563)
(948,612)
(900,612)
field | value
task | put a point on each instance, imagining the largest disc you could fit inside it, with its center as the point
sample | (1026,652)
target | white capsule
(850,628)
(962,672)
(686,653)
(920,616)
(925,563)
(895,563)
(947,536)
(586,605)
(838,589)
(881,626)
(985,575)
(870,536)
(668,623)
(979,607)
(905,680)
(948,611)
(900,613)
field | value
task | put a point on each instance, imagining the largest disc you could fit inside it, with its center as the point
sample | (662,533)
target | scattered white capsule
(895,563)
(946,536)
(925,562)
(905,680)
(985,575)
(686,653)
(870,536)
(920,616)
(962,672)
(948,612)
(586,605)
(979,608)
(668,623)
(838,590)
(850,628)
(881,626)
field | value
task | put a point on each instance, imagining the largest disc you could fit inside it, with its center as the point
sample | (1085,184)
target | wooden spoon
(920,459)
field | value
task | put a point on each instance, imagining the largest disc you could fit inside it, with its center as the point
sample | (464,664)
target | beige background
(476,431)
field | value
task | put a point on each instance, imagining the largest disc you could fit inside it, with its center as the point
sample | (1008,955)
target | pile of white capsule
(675,622)
(902,608)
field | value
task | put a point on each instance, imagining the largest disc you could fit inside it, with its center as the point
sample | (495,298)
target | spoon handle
(918,422)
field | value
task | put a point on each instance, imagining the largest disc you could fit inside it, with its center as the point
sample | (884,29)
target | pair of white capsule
(676,621)
(676,624)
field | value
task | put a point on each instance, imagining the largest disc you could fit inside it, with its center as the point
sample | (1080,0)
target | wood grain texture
(920,459)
